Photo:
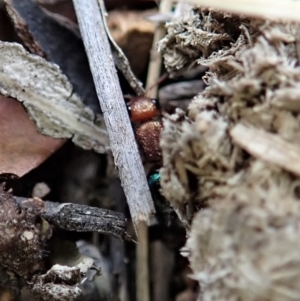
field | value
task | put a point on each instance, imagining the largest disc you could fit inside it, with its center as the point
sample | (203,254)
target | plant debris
(198,34)
(235,154)
(22,147)
(26,226)
(49,99)
(44,36)
(246,246)
(246,83)
(59,99)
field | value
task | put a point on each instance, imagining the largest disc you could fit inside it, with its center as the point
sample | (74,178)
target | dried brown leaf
(22,147)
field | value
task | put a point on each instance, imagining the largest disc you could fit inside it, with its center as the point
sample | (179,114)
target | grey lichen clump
(254,83)
(236,154)
(200,34)
(247,246)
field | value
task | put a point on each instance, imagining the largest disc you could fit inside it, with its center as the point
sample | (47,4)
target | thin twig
(122,140)
(77,217)
(120,58)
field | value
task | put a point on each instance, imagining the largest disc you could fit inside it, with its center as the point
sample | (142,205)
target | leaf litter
(48,98)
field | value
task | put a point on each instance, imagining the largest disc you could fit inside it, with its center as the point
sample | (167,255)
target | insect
(164,212)
(145,113)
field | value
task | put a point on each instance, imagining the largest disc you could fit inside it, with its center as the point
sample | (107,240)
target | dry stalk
(142,270)
(122,140)
(155,57)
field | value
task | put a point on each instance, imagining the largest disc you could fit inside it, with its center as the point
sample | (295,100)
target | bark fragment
(26,226)
(49,98)
(57,44)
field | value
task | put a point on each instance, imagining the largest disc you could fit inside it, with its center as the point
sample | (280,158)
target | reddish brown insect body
(142,110)
(144,114)
(148,135)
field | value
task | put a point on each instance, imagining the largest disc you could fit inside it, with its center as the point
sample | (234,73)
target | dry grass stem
(122,140)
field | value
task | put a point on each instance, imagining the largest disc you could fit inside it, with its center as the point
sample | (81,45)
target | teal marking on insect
(164,212)
(154,178)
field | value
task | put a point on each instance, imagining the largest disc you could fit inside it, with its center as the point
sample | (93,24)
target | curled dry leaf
(22,147)
(49,99)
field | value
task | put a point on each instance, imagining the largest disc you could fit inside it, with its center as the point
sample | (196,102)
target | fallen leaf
(22,147)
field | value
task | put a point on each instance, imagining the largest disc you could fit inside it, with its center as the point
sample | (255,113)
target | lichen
(252,83)
(240,196)
(246,246)
(200,34)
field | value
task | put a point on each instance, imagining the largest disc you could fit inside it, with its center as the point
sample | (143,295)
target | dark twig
(79,218)
(82,218)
